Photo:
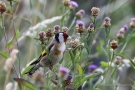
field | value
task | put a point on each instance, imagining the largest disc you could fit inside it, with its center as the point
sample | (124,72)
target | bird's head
(62,37)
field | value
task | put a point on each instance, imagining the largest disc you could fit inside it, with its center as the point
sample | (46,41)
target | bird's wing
(43,53)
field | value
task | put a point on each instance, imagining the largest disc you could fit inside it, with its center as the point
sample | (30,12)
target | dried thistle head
(95,11)
(41,35)
(49,33)
(114,44)
(2,7)
(80,27)
(107,22)
(132,23)
(72,5)
(91,28)
(64,29)
(80,14)
(74,43)
(56,29)
(66,3)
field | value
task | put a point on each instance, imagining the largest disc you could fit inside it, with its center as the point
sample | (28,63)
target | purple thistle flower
(69,88)
(74,4)
(80,23)
(56,27)
(91,25)
(107,19)
(121,31)
(118,58)
(64,69)
(82,11)
(92,67)
(69,77)
(133,19)
(125,27)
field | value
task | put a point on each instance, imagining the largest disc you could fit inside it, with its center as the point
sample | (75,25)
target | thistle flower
(64,29)
(118,60)
(9,86)
(66,3)
(49,33)
(8,64)
(68,81)
(132,23)
(92,67)
(73,5)
(41,35)
(69,88)
(74,43)
(107,22)
(63,71)
(125,28)
(56,29)
(2,7)
(91,28)
(80,14)
(114,44)
(95,11)
(80,27)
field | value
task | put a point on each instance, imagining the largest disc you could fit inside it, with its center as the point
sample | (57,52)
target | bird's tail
(33,69)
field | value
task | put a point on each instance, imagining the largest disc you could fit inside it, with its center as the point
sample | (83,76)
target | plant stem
(16,39)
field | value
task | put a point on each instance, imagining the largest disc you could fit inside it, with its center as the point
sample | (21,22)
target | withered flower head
(68,81)
(95,11)
(114,44)
(66,3)
(80,27)
(91,28)
(2,7)
(80,14)
(74,43)
(64,29)
(107,22)
(132,23)
(41,35)
(118,60)
(49,33)
(56,29)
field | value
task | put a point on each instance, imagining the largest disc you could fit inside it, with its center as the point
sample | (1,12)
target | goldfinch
(54,54)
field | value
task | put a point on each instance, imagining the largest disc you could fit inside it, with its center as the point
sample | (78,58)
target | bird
(53,53)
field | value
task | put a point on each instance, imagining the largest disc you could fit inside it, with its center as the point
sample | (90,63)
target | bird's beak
(69,38)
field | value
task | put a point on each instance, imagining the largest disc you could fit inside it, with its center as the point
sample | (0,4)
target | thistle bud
(66,3)
(118,60)
(73,5)
(91,28)
(49,33)
(132,23)
(95,11)
(74,43)
(67,81)
(80,28)
(41,35)
(125,28)
(80,14)
(2,7)
(120,35)
(114,44)
(64,29)
(56,29)
(63,72)
(107,22)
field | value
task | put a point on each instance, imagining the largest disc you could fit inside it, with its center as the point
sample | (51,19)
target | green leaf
(26,70)
(80,70)
(114,71)
(4,55)
(104,50)
(17,34)
(26,20)
(25,83)
(10,9)
(10,42)
(104,64)
(77,84)
(91,19)
(71,55)
(87,64)
(98,24)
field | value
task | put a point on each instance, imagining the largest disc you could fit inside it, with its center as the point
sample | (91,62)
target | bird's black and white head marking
(61,37)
